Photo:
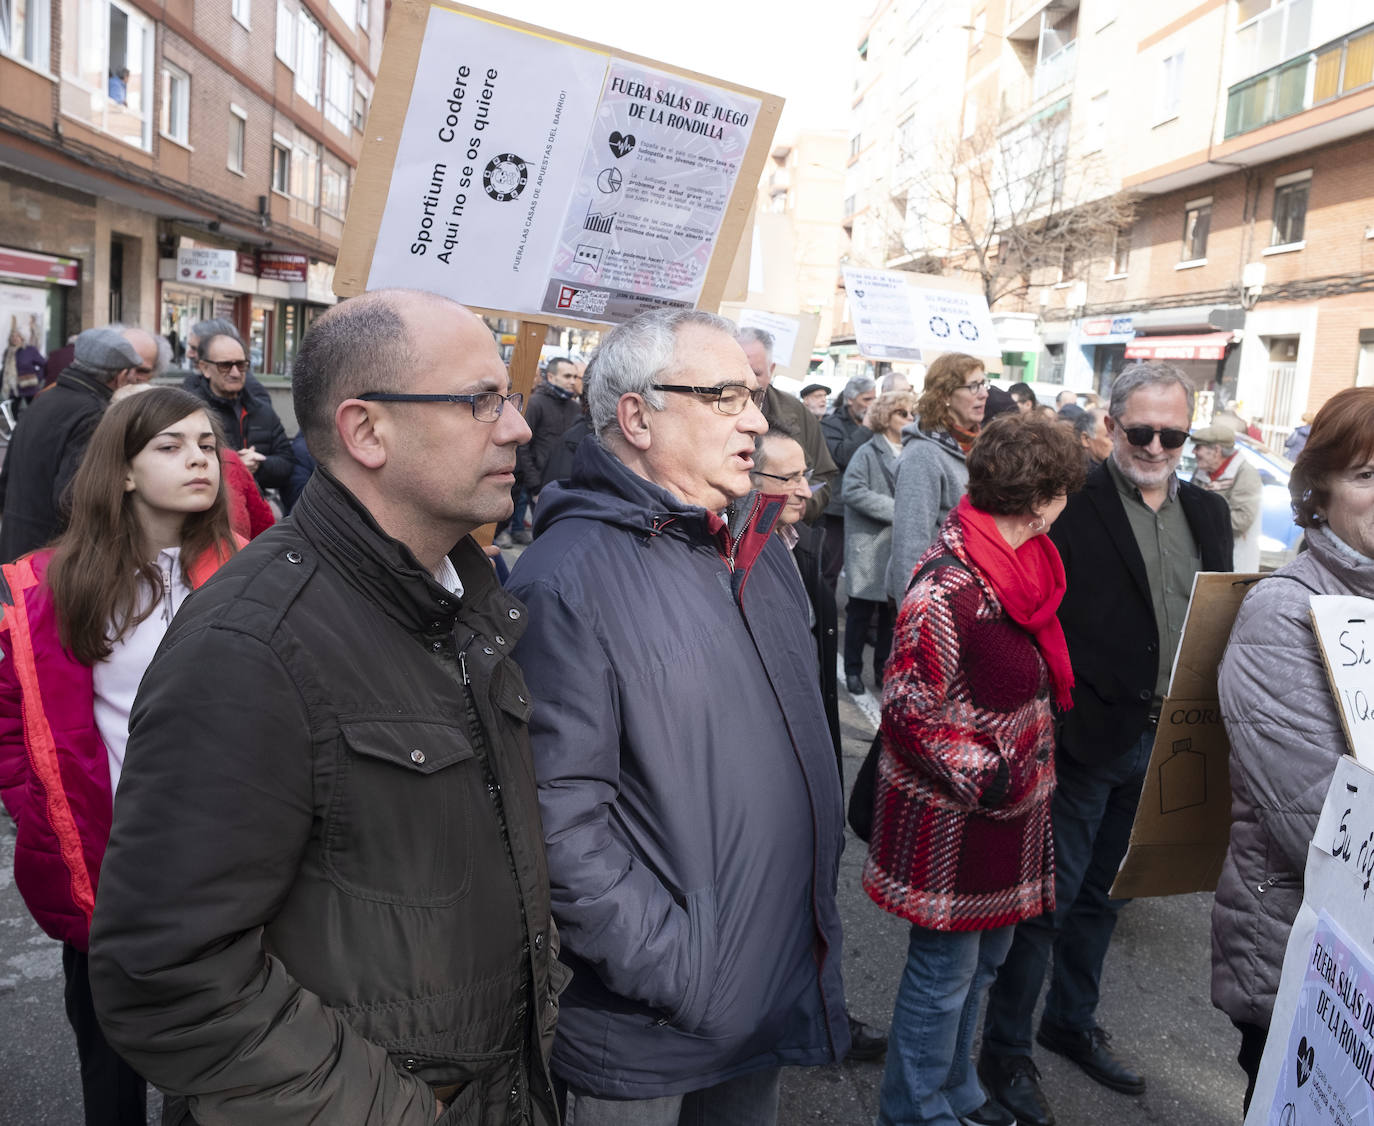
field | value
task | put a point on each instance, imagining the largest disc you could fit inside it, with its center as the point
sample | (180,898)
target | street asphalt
(1155,1002)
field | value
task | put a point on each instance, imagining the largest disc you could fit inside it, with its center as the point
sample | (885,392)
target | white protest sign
(547,177)
(1344,626)
(895,319)
(782,328)
(1318,1065)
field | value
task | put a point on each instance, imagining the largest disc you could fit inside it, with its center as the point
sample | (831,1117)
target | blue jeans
(1093,808)
(750,1100)
(928,1077)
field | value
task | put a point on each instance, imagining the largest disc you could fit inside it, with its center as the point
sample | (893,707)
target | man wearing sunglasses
(249,422)
(325,897)
(687,780)
(1131,542)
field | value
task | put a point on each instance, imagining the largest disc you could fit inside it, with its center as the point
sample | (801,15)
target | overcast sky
(802,51)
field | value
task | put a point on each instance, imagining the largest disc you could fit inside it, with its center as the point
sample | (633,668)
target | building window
(1121,250)
(243,11)
(855,142)
(24,31)
(107,68)
(1197,221)
(1095,135)
(309,45)
(359,110)
(364,16)
(347,9)
(305,177)
(334,186)
(1170,93)
(286,33)
(338,87)
(848,206)
(281,165)
(175,122)
(238,133)
(1290,209)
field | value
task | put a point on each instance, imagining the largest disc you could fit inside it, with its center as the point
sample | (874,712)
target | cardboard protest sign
(1318,1065)
(794,337)
(523,172)
(1183,822)
(1344,626)
(903,316)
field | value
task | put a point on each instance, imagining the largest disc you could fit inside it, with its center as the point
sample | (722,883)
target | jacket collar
(912,432)
(79,380)
(386,572)
(1354,570)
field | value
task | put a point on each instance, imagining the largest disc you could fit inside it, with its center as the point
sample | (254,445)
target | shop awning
(1204,346)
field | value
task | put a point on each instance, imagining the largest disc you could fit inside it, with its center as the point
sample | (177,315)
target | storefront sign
(895,319)
(548,177)
(1208,346)
(26,265)
(1121,328)
(24,309)
(206,266)
(278,265)
(246,264)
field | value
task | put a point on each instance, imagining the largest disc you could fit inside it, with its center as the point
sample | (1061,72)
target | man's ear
(632,415)
(362,431)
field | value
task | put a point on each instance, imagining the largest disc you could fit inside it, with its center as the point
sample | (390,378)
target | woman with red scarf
(961,844)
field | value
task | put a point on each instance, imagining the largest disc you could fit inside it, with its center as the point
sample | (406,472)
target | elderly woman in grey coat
(868,508)
(1285,744)
(931,473)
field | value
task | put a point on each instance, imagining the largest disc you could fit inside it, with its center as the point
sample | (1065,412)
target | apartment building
(1241,131)
(165,162)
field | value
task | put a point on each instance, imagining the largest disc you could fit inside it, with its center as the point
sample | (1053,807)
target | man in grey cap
(51,438)
(1221,468)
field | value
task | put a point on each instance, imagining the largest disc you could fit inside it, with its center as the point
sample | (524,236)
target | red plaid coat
(961,835)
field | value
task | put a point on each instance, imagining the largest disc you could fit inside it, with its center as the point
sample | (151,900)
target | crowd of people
(447,844)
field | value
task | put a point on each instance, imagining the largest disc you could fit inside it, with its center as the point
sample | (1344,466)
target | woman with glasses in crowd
(1281,718)
(961,844)
(868,486)
(931,472)
(149,523)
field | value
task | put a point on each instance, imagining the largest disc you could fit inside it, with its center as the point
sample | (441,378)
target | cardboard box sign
(1183,822)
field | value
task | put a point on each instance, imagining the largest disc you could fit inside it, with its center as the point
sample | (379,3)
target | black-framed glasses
(977,387)
(728,398)
(486,405)
(224,367)
(1169,438)
(806,475)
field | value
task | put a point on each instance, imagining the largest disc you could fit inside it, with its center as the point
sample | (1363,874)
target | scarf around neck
(1029,582)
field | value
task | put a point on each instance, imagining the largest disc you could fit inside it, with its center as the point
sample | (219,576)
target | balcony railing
(1055,71)
(1329,72)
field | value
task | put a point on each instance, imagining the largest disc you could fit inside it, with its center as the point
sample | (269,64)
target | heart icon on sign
(1305,1058)
(621,143)
(859,293)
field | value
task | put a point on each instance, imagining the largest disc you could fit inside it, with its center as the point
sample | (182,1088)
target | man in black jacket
(554,406)
(325,896)
(1131,541)
(53,432)
(249,423)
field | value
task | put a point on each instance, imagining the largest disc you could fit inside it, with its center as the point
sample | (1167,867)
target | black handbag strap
(946,560)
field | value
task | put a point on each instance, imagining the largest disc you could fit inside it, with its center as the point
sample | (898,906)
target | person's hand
(251,458)
(493,553)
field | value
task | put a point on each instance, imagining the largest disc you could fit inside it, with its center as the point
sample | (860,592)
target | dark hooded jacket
(551,411)
(688,788)
(325,890)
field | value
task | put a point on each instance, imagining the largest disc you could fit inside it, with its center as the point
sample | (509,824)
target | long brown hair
(946,375)
(98,575)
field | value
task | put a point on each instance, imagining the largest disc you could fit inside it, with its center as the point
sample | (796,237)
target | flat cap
(104,351)
(810,387)
(1215,435)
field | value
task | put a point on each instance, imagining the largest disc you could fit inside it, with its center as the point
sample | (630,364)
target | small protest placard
(901,316)
(1344,626)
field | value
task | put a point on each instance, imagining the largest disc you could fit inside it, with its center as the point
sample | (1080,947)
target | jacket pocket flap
(510,692)
(423,746)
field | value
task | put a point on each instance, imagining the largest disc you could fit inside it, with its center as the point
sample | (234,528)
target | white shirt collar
(446,575)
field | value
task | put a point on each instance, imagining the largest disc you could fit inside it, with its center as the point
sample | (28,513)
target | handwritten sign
(1345,631)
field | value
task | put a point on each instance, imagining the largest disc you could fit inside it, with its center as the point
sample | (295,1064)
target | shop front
(34,292)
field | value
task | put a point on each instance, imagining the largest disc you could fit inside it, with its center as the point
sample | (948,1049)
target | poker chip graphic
(505,177)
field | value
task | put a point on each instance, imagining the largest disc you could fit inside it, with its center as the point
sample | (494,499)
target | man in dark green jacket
(325,896)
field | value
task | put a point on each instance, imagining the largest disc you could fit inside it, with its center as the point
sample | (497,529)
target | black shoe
(1014,1082)
(1089,1051)
(854,683)
(989,1114)
(865,1044)
(523,536)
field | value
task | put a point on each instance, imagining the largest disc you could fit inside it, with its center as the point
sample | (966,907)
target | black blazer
(808,556)
(1108,615)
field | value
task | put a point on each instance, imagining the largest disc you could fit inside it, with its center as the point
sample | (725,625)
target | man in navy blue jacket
(687,782)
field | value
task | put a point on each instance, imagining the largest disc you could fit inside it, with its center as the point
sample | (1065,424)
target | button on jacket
(325,890)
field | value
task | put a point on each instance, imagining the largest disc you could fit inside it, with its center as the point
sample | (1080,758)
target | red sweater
(961,827)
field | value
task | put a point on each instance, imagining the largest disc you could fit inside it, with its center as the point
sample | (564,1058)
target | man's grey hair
(633,357)
(751,335)
(1087,423)
(858,385)
(1148,373)
(216,326)
(164,355)
(893,381)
